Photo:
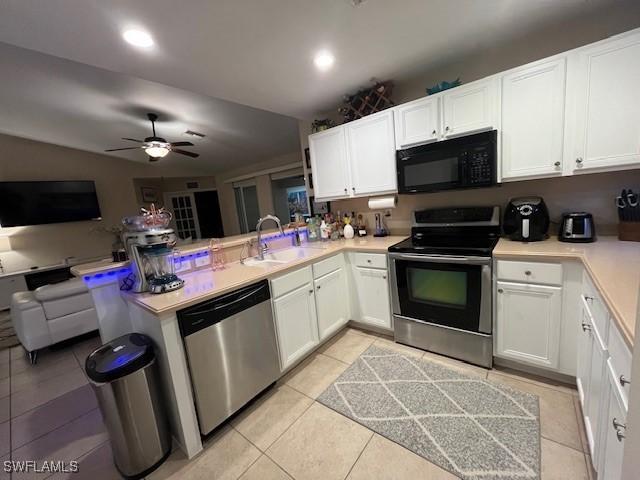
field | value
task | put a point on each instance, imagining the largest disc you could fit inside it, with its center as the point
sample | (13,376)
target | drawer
(596,306)
(530,272)
(371,260)
(290,281)
(620,358)
(328,265)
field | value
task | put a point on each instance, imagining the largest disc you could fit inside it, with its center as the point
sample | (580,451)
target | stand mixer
(150,246)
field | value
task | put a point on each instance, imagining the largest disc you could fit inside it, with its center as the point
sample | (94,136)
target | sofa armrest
(29,321)
(69,288)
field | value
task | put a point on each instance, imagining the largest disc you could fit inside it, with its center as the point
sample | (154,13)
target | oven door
(450,291)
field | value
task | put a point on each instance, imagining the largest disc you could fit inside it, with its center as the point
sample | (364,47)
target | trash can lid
(120,357)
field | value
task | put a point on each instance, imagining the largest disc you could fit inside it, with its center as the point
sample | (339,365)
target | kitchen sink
(276,258)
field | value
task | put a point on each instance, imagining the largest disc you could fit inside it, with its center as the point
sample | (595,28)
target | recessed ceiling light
(138,38)
(324,60)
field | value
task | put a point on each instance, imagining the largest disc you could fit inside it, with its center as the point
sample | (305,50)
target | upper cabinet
(607,105)
(532,120)
(469,108)
(372,154)
(417,122)
(328,151)
(355,159)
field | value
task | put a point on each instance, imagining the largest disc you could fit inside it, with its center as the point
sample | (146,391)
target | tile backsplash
(592,193)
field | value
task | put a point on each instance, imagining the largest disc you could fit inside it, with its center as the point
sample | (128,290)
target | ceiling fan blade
(182,144)
(184,152)
(118,149)
(132,140)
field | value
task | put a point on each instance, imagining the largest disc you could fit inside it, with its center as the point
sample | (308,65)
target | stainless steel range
(442,284)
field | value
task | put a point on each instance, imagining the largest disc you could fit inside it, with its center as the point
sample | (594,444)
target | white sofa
(51,314)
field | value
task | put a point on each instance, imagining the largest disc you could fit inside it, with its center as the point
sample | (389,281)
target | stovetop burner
(453,231)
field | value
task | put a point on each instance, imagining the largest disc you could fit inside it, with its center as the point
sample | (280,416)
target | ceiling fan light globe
(156,151)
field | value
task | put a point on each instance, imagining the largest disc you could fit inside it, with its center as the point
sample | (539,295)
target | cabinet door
(597,377)
(612,435)
(8,286)
(417,122)
(331,302)
(607,116)
(585,344)
(469,108)
(328,151)
(296,324)
(372,154)
(533,120)
(528,323)
(372,291)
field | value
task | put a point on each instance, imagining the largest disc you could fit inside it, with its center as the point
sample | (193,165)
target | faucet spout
(262,249)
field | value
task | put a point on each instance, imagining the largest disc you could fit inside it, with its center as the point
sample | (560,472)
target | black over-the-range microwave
(464,162)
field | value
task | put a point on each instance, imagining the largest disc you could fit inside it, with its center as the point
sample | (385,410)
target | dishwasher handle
(205,314)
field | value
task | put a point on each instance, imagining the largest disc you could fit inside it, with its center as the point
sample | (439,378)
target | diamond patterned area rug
(471,427)
(8,337)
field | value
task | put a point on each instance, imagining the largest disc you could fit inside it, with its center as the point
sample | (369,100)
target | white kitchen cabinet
(372,294)
(329,163)
(8,286)
(417,122)
(607,100)
(595,395)
(532,120)
(331,302)
(469,108)
(372,154)
(585,344)
(296,324)
(528,323)
(613,432)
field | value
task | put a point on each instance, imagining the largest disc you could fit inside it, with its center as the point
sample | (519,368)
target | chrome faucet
(262,249)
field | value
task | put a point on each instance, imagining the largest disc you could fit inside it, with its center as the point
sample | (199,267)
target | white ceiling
(259,52)
(67,103)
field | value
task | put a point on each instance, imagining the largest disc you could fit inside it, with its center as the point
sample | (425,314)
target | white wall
(22,159)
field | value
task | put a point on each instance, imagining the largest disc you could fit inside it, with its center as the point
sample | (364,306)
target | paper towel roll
(383,203)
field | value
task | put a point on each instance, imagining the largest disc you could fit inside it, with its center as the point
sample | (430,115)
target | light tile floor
(49,412)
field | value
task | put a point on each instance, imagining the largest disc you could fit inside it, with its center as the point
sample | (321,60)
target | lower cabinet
(296,323)
(331,302)
(528,323)
(8,286)
(372,296)
(613,425)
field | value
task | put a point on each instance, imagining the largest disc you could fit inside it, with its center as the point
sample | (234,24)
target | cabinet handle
(579,160)
(500,290)
(433,134)
(446,129)
(527,272)
(623,381)
(345,190)
(318,287)
(384,277)
(557,164)
(354,189)
(588,298)
(586,327)
(618,427)
(310,291)
(368,260)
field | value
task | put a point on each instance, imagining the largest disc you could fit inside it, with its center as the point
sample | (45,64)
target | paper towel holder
(383,203)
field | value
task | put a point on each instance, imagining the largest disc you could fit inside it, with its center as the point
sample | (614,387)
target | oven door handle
(468,260)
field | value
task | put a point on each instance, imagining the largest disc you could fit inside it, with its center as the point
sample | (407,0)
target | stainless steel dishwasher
(232,352)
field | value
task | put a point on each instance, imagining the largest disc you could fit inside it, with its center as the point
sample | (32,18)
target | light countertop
(201,285)
(614,267)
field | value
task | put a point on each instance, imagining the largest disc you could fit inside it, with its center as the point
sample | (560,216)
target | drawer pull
(310,291)
(368,260)
(623,381)
(618,427)
(500,290)
(588,299)
(384,277)
(586,327)
(527,272)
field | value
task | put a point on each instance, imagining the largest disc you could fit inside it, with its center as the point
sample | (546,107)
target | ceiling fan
(157,147)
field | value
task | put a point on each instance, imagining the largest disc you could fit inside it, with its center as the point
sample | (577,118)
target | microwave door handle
(442,259)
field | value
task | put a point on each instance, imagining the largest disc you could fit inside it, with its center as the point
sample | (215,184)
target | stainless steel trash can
(124,376)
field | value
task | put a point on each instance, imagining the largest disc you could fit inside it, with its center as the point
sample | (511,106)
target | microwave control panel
(479,167)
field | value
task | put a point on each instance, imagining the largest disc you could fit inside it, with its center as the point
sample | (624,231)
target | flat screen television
(37,203)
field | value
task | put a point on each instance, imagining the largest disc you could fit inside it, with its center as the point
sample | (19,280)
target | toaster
(577,227)
(526,219)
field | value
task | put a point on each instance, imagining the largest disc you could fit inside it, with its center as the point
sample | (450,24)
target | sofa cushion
(67,305)
(73,325)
